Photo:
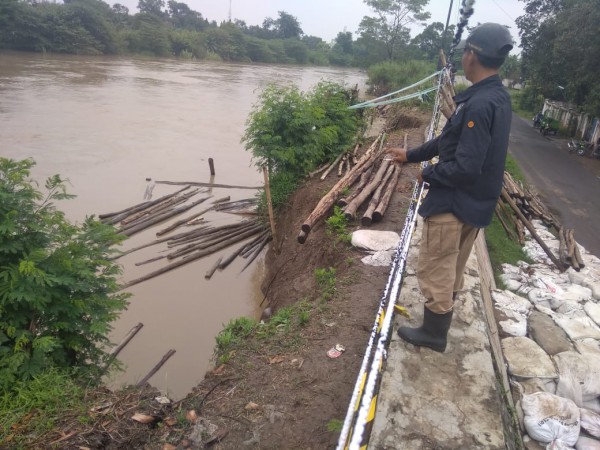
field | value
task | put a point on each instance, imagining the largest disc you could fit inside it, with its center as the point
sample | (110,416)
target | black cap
(489,39)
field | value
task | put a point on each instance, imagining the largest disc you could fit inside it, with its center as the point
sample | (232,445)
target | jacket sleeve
(471,152)
(425,152)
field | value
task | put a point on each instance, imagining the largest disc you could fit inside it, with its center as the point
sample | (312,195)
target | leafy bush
(57,284)
(291,131)
(389,76)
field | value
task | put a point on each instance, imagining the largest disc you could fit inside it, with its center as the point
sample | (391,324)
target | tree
(288,26)
(183,17)
(389,25)
(58,288)
(342,52)
(511,69)
(154,7)
(561,47)
(432,39)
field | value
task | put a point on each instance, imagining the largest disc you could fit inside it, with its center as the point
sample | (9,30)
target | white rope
(368,102)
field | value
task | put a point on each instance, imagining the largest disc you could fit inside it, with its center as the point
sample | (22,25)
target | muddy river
(107,124)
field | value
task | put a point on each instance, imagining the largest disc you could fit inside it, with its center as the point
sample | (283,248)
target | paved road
(568,184)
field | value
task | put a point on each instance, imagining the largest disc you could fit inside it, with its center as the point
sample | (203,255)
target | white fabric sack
(587,443)
(590,422)
(375,241)
(584,368)
(551,419)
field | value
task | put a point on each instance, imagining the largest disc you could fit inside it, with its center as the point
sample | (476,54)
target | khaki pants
(446,244)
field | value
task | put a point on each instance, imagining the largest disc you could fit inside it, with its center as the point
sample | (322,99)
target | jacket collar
(483,84)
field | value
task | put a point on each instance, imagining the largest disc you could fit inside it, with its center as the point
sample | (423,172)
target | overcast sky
(326,18)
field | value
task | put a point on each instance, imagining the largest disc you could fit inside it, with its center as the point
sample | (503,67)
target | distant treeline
(93,27)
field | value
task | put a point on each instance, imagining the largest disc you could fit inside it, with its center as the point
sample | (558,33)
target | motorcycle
(537,120)
(548,126)
(578,147)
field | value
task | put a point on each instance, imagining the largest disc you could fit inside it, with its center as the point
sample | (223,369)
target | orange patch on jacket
(471,124)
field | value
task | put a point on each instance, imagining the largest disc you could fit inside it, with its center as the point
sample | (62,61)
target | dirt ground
(289,393)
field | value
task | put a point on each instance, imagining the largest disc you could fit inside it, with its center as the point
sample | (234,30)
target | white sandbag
(587,443)
(541,297)
(568,387)
(588,346)
(375,241)
(506,300)
(592,405)
(551,419)
(578,327)
(382,258)
(593,310)
(584,368)
(576,293)
(569,308)
(510,269)
(511,284)
(516,325)
(590,422)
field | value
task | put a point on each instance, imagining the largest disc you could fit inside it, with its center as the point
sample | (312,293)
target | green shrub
(337,225)
(58,288)
(293,132)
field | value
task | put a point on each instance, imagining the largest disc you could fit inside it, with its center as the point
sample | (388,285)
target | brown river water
(107,124)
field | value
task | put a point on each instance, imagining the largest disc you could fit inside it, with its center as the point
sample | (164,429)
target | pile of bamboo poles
(377,179)
(516,208)
(202,240)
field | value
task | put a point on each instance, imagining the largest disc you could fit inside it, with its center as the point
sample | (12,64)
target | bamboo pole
(193,257)
(182,222)
(269,203)
(531,229)
(210,272)
(230,258)
(161,218)
(259,249)
(318,171)
(167,205)
(333,164)
(128,337)
(156,368)
(141,206)
(210,185)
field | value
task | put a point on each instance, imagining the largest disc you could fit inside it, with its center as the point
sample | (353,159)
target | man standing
(465,184)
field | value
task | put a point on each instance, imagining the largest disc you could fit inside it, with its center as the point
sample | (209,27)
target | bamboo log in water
(193,257)
(116,219)
(210,185)
(160,218)
(209,242)
(210,272)
(174,242)
(259,249)
(182,222)
(128,337)
(156,368)
(159,207)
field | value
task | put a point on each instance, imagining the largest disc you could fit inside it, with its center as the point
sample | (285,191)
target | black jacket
(472,147)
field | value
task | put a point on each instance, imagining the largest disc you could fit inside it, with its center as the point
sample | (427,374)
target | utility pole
(229,11)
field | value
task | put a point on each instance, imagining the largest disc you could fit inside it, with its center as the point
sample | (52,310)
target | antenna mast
(229,11)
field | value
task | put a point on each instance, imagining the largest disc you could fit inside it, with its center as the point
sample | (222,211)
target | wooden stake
(210,185)
(211,166)
(367,217)
(156,368)
(350,209)
(269,203)
(333,164)
(128,337)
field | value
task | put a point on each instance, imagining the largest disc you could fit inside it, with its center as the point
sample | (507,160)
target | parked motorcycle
(537,119)
(548,125)
(578,147)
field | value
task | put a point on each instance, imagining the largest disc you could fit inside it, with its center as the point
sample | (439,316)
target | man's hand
(398,154)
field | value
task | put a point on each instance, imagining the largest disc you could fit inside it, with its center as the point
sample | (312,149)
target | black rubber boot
(431,334)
